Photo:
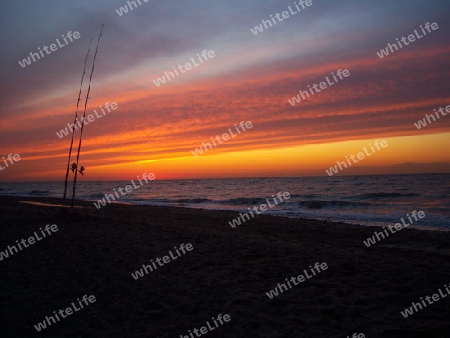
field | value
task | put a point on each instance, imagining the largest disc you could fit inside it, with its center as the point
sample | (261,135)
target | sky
(251,78)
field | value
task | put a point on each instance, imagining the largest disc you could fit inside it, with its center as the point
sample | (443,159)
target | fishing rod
(75,165)
(75,120)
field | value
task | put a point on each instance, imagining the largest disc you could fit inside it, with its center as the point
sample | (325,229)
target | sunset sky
(250,78)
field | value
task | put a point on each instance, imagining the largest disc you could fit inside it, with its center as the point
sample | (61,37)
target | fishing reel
(74,168)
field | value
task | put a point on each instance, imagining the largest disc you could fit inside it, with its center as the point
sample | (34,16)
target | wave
(307,196)
(243,200)
(193,200)
(336,203)
(302,195)
(96,195)
(386,195)
(40,192)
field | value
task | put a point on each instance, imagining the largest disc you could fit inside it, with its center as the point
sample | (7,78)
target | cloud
(251,77)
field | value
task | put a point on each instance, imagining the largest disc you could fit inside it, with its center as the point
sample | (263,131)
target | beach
(227,200)
(228,271)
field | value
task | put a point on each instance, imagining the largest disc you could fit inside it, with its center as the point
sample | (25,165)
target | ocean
(366,200)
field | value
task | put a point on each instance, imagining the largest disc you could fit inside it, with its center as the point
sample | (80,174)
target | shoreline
(417,227)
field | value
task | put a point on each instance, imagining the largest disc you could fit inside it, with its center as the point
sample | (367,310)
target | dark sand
(228,272)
